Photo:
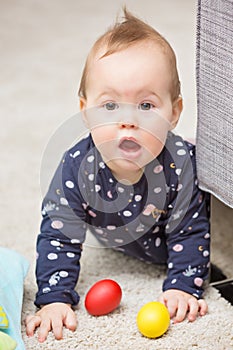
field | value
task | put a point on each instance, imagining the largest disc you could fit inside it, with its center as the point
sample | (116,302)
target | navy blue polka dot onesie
(162,219)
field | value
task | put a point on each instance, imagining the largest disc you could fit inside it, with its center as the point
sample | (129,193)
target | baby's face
(129,108)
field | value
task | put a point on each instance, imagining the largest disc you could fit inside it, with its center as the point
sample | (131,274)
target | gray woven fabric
(215,98)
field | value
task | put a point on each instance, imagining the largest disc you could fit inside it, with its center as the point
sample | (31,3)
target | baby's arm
(51,317)
(56,281)
(188,242)
(188,266)
(56,289)
(59,247)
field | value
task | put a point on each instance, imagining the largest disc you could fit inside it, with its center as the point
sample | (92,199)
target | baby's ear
(82,106)
(82,103)
(177,108)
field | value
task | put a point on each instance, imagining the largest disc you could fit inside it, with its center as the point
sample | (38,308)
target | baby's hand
(180,304)
(51,317)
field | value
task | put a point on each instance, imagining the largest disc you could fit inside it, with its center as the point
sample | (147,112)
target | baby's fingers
(171,304)
(70,321)
(32,322)
(44,329)
(57,326)
(181,310)
(203,307)
(193,309)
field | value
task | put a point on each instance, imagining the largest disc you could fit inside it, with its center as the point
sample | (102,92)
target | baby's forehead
(147,56)
(106,49)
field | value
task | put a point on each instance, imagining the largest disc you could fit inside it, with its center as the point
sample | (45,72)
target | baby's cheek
(103,134)
(153,144)
(105,140)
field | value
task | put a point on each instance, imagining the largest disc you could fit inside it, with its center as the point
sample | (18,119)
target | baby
(131,182)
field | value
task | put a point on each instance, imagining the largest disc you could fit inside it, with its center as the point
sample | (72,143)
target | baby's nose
(128,125)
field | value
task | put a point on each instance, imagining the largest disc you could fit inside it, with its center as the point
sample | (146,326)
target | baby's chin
(126,171)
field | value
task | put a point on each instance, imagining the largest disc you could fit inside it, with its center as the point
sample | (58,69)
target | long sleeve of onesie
(187,234)
(59,244)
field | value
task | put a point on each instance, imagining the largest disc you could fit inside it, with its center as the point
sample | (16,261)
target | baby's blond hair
(128,32)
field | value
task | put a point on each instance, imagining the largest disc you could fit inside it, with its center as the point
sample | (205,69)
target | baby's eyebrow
(150,93)
(144,94)
(108,92)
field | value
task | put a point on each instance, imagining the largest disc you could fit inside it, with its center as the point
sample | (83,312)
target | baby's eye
(146,106)
(111,106)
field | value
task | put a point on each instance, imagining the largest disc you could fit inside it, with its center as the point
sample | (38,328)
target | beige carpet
(43,46)
(140,283)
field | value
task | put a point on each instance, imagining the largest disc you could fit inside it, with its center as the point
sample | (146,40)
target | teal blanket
(13,269)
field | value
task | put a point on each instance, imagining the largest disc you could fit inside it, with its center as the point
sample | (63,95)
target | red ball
(103,297)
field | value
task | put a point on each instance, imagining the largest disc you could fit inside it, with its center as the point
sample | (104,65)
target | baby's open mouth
(128,145)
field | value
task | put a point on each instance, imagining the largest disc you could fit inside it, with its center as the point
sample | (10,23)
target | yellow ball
(153,319)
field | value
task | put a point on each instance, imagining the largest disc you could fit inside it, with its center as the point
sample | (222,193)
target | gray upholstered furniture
(215,119)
